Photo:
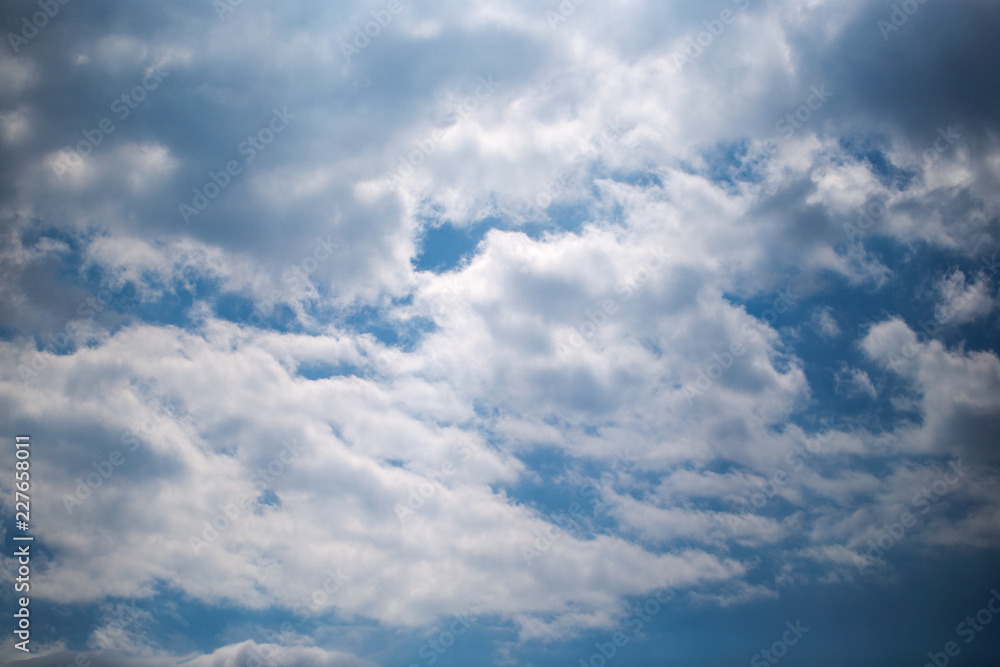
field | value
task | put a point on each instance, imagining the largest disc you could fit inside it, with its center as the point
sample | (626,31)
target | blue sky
(503,333)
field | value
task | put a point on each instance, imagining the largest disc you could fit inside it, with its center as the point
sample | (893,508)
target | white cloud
(824,322)
(959,390)
(962,302)
(855,382)
(292,656)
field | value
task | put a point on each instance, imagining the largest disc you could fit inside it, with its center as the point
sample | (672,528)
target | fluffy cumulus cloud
(343,331)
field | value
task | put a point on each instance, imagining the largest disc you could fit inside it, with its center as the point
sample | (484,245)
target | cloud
(958,390)
(824,322)
(961,302)
(293,656)
(236,654)
(855,382)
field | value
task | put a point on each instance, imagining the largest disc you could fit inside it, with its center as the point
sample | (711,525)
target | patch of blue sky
(639,179)
(243,310)
(731,164)
(549,488)
(691,631)
(871,151)
(404,335)
(269,498)
(473,647)
(323,370)
(444,247)
(568,217)
(855,308)
(567,487)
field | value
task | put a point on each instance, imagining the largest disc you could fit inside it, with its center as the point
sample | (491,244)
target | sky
(407,333)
